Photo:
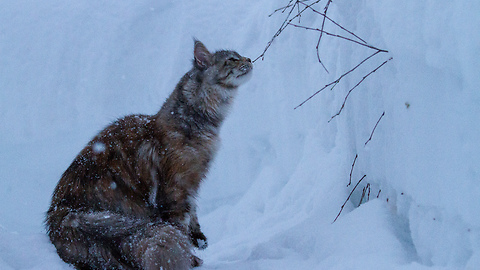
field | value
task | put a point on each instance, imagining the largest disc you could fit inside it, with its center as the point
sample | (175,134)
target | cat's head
(225,68)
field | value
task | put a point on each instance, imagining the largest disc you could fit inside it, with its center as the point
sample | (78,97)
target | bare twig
(299,14)
(364,192)
(337,80)
(375,127)
(348,198)
(321,34)
(279,31)
(295,5)
(282,9)
(351,170)
(337,36)
(284,25)
(350,91)
(335,23)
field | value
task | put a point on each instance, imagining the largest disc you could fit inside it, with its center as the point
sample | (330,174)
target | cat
(127,201)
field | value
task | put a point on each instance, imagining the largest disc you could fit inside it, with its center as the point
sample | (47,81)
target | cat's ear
(203,58)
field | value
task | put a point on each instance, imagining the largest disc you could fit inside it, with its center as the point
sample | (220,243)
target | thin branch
(285,23)
(350,91)
(279,31)
(361,198)
(335,23)
(359,64)
(348,198)
(321,34)
(338,36)
(351,170)
(375,127)
(285,7)
(337,80)
(299,14)
(288,21)
(364,192)
(281,8)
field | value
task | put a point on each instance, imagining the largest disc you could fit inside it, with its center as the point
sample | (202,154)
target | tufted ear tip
(203,58)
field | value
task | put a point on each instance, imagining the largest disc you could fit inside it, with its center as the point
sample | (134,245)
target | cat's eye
(232,59)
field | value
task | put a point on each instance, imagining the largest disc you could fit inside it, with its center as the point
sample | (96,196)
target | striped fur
(127,201)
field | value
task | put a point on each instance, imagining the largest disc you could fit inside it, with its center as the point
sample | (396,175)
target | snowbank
(280,178)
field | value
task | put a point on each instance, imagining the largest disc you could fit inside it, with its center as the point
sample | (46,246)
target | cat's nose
(248,60)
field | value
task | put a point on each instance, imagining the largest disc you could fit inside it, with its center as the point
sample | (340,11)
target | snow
(281,175)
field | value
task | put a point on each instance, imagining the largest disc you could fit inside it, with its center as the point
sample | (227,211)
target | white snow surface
(68,68)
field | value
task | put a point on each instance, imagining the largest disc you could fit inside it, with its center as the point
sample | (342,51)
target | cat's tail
(103,224)
(108,240)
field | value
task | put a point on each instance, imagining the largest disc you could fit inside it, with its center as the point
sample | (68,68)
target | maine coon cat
(127,201)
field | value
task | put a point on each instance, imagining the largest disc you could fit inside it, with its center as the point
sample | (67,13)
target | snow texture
(67,69)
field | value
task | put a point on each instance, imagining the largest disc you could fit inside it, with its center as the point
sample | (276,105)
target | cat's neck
(197,104)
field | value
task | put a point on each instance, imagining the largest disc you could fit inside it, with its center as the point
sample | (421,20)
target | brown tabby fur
(127,201)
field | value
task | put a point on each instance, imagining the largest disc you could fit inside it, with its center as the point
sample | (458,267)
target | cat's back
(107,168)
(120,140)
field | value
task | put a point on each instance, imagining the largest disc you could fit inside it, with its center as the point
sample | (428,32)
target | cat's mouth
(243,74)
(246,70)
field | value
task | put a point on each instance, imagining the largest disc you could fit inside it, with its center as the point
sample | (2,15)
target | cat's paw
(199,240)
(196,262)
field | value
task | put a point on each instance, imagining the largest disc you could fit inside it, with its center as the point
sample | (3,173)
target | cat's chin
(243,78)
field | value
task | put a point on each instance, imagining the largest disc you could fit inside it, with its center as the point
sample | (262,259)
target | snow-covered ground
(68,68)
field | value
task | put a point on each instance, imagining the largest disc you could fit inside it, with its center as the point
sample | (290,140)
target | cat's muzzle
(245,68)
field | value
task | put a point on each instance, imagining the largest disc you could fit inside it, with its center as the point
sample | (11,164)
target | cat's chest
(192,153)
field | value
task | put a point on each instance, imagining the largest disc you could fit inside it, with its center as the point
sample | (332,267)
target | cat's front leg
(198,239)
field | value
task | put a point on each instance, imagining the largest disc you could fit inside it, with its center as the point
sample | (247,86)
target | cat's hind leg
(160,246)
